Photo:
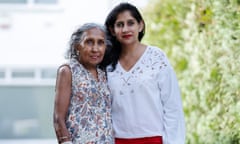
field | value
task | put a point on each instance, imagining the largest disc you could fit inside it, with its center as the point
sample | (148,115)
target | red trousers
(144,140)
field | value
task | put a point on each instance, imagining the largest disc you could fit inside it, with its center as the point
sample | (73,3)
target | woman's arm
(174,123)
(62,100)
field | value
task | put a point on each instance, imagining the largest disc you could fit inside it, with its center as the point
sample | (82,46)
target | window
(28,1)
(48,73)
(26,104)
(13,1)
(45,1)
(26,4)
(2,74)
(30,6)
(26,112)
(23,74)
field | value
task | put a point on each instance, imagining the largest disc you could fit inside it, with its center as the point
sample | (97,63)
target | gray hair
(76,38)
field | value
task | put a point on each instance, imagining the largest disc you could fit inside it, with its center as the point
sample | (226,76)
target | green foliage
(164,22)
(202,40)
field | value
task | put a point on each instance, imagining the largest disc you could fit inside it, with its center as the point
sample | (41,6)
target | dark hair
(115,50)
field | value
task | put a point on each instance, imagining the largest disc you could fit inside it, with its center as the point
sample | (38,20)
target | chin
(95,62)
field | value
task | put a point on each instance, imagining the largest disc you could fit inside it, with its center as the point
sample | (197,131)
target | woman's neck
(132,50)
(130,55)
(91,69)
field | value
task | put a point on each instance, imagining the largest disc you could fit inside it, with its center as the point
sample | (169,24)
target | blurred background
(34,35)
(200,37)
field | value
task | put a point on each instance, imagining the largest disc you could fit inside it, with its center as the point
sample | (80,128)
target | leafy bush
(202,40)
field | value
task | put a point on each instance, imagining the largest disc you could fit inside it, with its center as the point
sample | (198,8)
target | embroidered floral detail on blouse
(152,59)
(126,81)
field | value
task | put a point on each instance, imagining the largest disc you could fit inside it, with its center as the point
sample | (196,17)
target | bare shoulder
(64,71)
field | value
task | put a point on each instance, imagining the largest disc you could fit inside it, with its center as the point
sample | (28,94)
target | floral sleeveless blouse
(89,115)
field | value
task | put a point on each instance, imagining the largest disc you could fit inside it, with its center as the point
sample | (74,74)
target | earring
(77,53)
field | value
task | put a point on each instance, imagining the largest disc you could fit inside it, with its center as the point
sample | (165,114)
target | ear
(141,25)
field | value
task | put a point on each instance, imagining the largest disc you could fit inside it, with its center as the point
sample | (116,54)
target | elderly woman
(82,109)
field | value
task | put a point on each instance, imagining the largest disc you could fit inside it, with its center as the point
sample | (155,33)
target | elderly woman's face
(92,47)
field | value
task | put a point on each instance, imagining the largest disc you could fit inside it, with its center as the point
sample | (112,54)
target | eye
(119,25)
(101,42)
(89,42)
(131,23)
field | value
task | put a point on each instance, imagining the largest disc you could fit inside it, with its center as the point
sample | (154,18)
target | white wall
(39,35)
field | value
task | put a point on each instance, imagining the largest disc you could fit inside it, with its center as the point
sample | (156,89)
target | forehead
(125,15)
(94,33)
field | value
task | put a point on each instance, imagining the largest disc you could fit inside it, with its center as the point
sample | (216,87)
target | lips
(94,57)
(126,36)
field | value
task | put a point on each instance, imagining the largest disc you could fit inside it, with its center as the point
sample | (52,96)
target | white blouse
(147,100)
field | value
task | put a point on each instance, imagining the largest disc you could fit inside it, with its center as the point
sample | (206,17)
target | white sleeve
(173,119)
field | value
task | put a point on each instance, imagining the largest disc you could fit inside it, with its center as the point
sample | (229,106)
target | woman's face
(92,47)
(126,28)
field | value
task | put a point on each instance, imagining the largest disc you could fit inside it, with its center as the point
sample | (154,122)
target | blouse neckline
(135,65)
(88,73)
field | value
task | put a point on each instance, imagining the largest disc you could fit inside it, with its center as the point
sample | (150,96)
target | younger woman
(147,106)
